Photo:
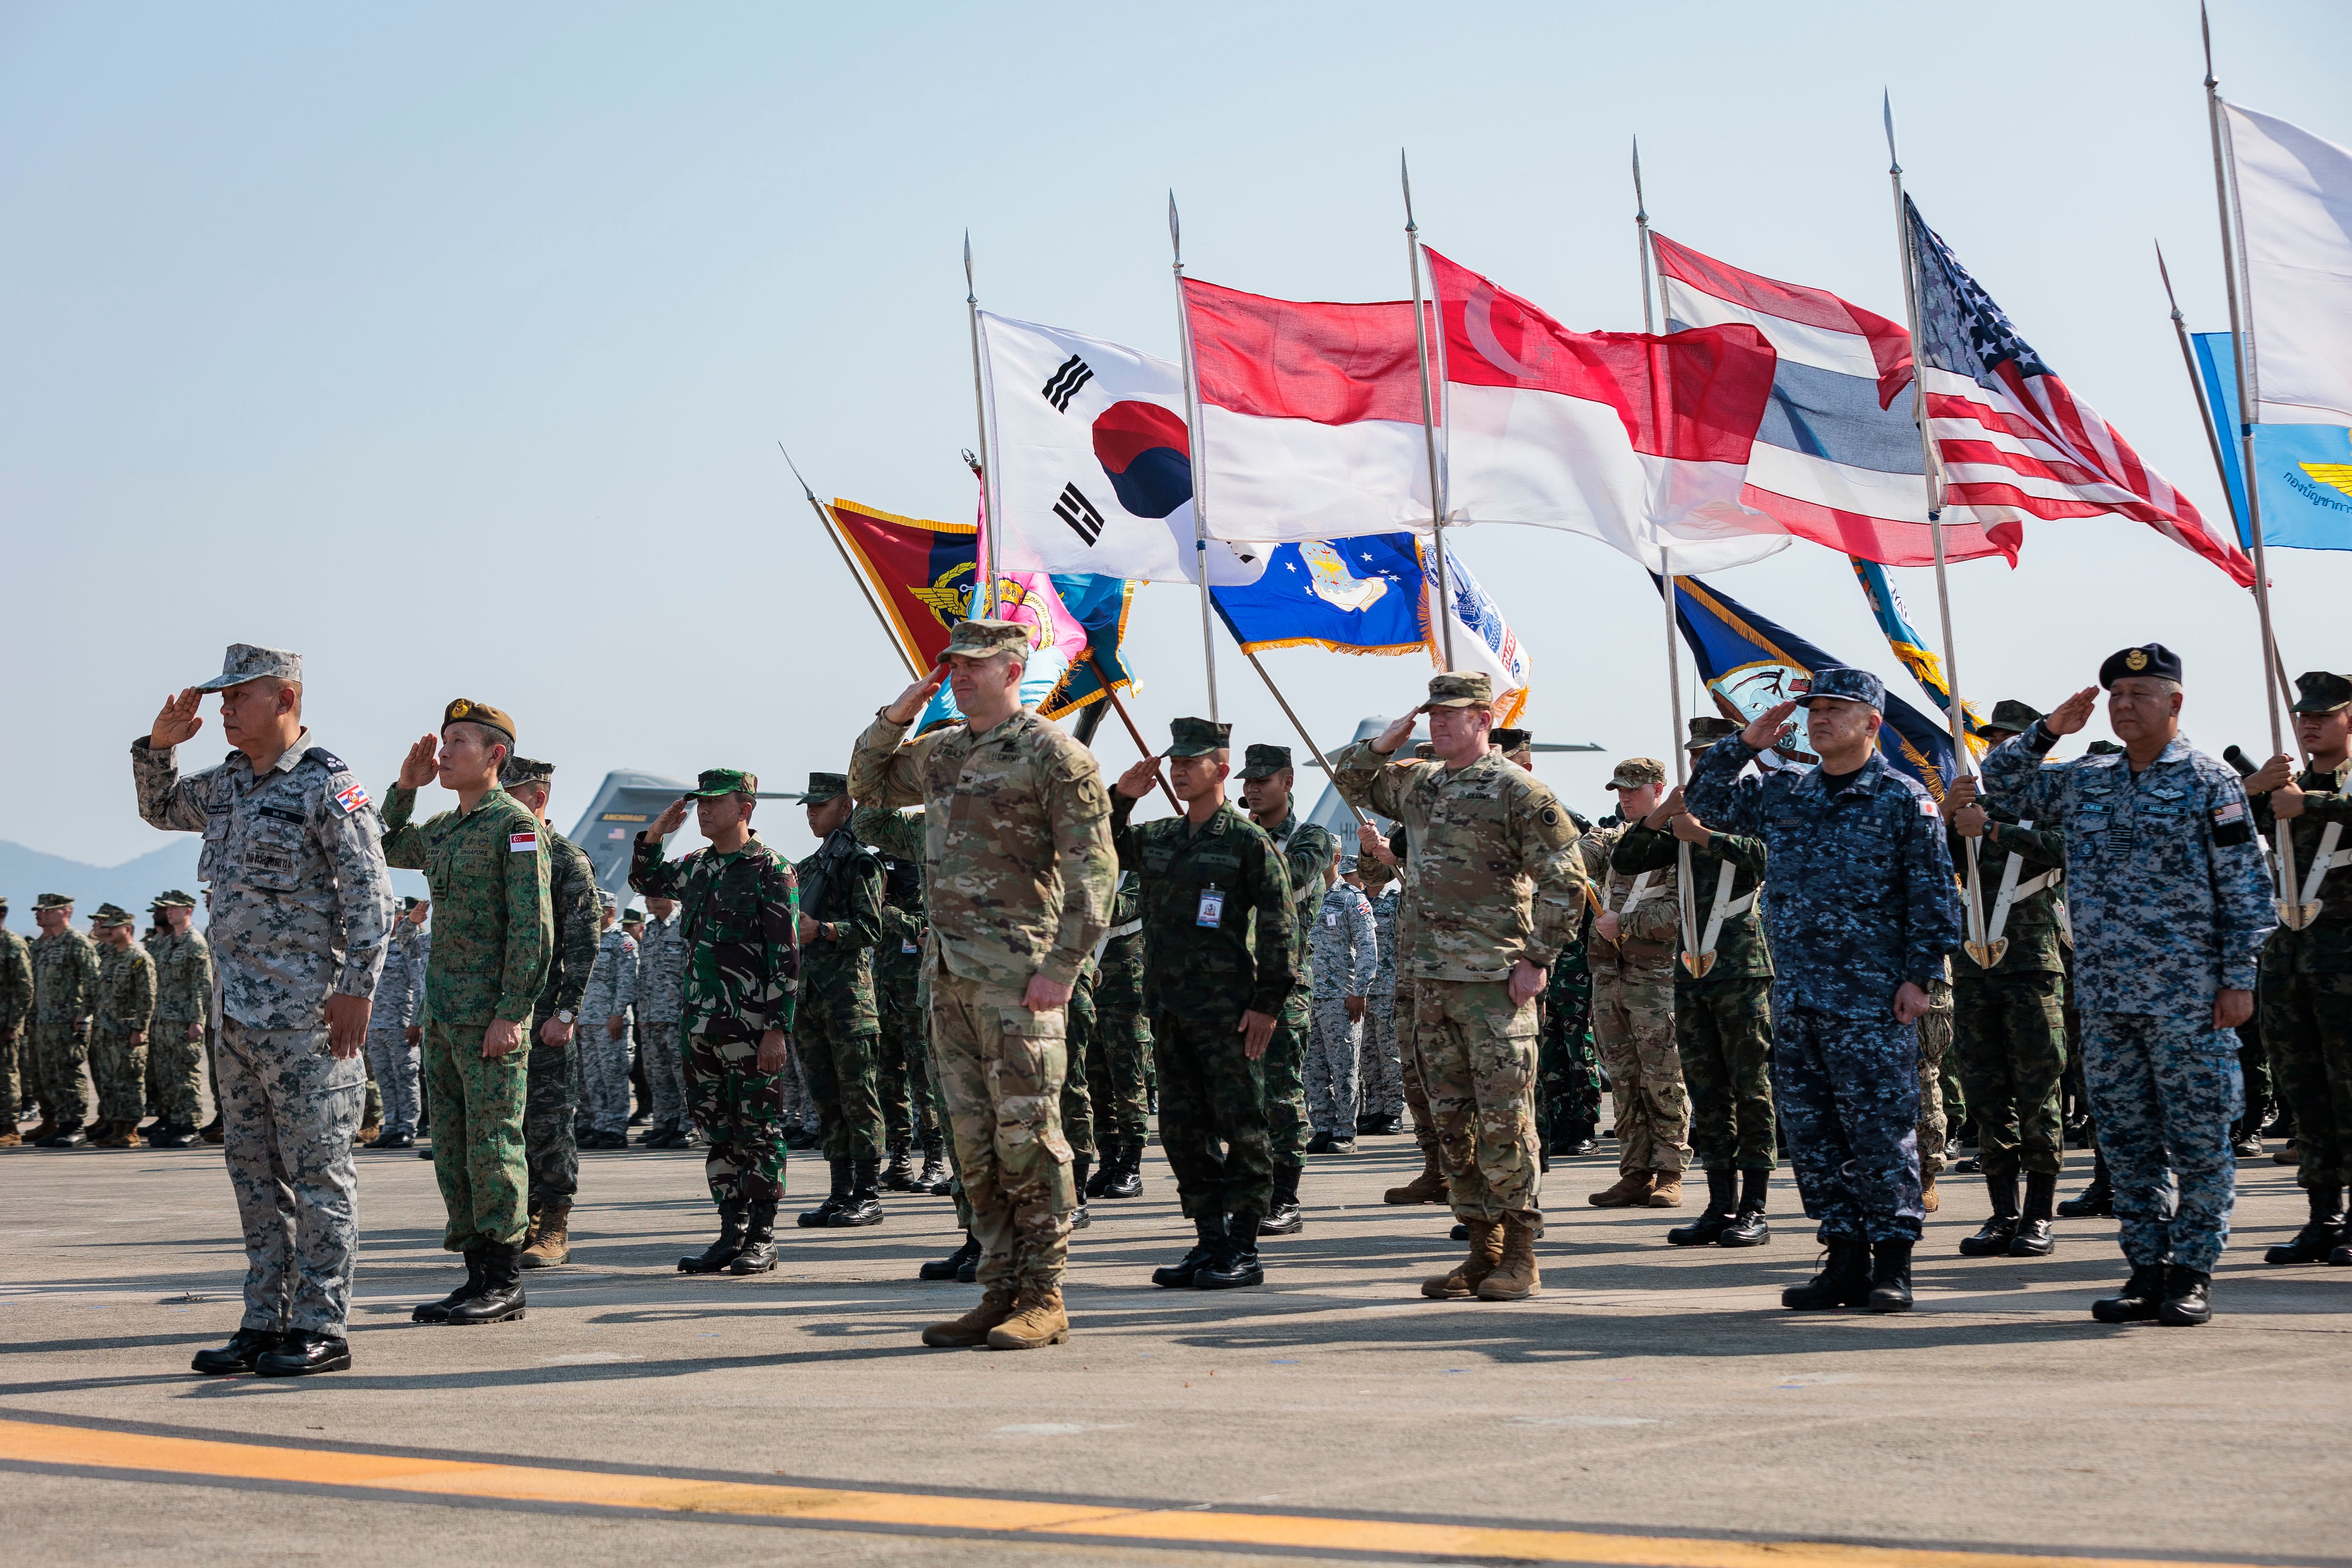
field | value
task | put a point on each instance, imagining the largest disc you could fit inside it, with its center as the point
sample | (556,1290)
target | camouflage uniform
(15,1006)
(551,1072)
(64,978)
(742,977)
(1379,1085)
(399,1004)
(1567,1061)
(1935,1053)
(1633,990)
(124,1006)
(2307,988)
(604,1060)
(1346,953)
(2170,903)
(301,907)
(1018,870)
(1078,1107)
(1308,850)
(1120,1041)
(184,1000)
(903,836)
(2009,1024)
(1218,923)
(905,1049)
(661,996)
(838,1037)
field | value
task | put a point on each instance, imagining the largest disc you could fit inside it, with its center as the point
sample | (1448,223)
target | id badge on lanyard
(1212,912)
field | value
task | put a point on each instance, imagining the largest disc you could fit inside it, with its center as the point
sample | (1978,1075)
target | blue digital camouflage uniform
(1347,955)
(2170,898)
(661,996)
(399,1002)
(604,1062)
(1861,901)
(1379,1073)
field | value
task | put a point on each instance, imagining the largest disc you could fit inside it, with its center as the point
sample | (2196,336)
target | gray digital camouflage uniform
(661,997)
(1347,955)
(604,1061)
(399,1005)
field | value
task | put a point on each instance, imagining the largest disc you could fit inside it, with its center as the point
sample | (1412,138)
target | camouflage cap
(1347,865)
(1265,761)
(2320,692)
(410,905)
(1706,729)
(1636,771)
(712,782)
(107,914)
(824,786)
(1461,688)
(1197,738)
(633,918)
(2153,660)
(1844,682)
(1510,740)
(979,639)
(525,770)
(244,662)
(1425,752)
(2013,717)
(173,899)
(2103,748)
(606,900)
(53,901)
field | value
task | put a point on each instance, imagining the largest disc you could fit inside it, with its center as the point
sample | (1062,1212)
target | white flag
(2295,224)
(1092,462)
(1482,639)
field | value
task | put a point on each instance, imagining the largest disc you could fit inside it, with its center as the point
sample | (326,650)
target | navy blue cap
(1843,681)
(2151,659)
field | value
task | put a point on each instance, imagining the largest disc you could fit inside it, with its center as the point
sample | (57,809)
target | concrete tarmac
(1655,1404)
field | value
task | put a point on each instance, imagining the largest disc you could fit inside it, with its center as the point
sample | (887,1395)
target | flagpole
(1129,719)
(1641,237)
(1289,713)
(2291,910)
(1697,963)
(1199,456)
(826,521)
(1444,605)
(1978,948)
(987,563)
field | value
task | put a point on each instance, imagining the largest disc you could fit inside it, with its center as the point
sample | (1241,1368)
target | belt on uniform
(1645,949)
(1130,929)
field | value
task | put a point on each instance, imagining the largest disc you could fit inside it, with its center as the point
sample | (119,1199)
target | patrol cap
(824,786)
(111,915)
(2014,717)
(2153,660)
(525,770)
(244,662)
(1461,688)
(173,899)
(1510,740)
(2103,748)
(1425,752)
(713,782)
(979,639)
(409,906)
(1197,738)
(2321,692)
(1852,684)
(1265,761)
(1636,771)
(633,918)
(53,901)
(1706,729)
(1347,865)
(467,710)
(606,900)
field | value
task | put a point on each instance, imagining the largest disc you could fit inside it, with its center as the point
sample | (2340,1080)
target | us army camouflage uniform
(65,982)
(301,909)
(661,996)
(1379,1085)
(122,1007)
(1199,975)
(2009,1027)
(738,914)
(494,941)
(1935,1053)
(1633,994)
(1308,850)
(1018,868)
(1347,955)
(551,1072)
(839,1027)
(1120,1043)
(184,1000)
(399,1003)
(2306,989)
(604,1060)
(1492,878)
(15,1006)
(903,836)
(2170,903)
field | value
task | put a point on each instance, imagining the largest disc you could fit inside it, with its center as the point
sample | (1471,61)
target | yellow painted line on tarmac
(1004,1518)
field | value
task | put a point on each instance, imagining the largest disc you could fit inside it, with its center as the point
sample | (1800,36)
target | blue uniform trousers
(2165,1091)
(1848,1091)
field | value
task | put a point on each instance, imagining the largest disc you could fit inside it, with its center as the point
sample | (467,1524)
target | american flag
(2009,436)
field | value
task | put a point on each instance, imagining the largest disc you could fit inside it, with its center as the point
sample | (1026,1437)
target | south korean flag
(1090,461)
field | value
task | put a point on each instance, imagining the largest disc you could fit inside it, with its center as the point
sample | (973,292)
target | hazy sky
(450,345)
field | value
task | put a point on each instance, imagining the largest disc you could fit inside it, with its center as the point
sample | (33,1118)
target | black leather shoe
(1342,1146)
(1748,1227)
(500,1298)
(69,1137)
(1080,1217)
(899,1175)
(721,1252)
(1386,1126)
(1993,1239)
(2034,1238)
(947,1267)
(820,1217)
(935,1178)
(244,1348)
(394,1141)
(2138,1302)
(759,1254)
(1235,1264)
(304,1353)
(1461,1232)
(2188,1297)
(1843,1280)
(1286,1218)
(438,1311)
(1890,1276)
(2248,1147)
(2096,1201)
(1722,1199)
(172,1135)
(800,1140)
(1210,1241)
(1320,1144)
(1101,1176)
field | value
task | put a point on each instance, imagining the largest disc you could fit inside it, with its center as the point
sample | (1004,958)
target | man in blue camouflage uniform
(2170,903)
(1861,910)
(1308,852)
(1347,953)
(1380,1074)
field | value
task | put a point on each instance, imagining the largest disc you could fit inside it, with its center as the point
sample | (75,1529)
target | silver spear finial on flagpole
(986,603)
(1641,236)
(824,520)
(1199,455)
(1442,611)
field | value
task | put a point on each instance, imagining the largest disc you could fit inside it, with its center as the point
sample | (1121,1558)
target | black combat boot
(721,1252)
(2138,1302)
(244,1348)
(172,1135)
(759,1254)
(1843,1280)
(500,1300)
(822,1215)
(438,1311)
(67,1136)
(1320,1144)
(1079,1218)
(2320,1235)
(1998,1232)
(1749,1227)
(1722,1201)
(2188,1297)
(864,1204)
(1890,1276)
(951,1266)
(1286,1218)
(899,1175)
(935,1177)
(1209,1233)
(798,1139)
(1236,1262)
(306,1352)
(1128,1180)
(2095,1201)
(2033,1238)
(1093,1185)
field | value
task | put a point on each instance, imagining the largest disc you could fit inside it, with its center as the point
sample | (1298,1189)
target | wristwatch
(563,1015)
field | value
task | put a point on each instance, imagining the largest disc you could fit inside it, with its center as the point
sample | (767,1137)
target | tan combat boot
(551,1238)
(1038,1320)
(10,1139)
(1669,1191)
(115,1135)
(1632,1191)
(963,1334)
(1927,1198)
(1515,1278)
(1485,1252)
(1429,1187)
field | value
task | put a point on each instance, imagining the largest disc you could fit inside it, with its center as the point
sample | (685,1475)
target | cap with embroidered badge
(1706,729)
(525,770)
(1461,688)
(2153,660)
(824,786)
(1263,761)
(1197,738)
(713,782)
(1636,771)
(465,710)
(54,901)
(110,915)
(979,639)
(244,662)
(2010,716)
(1849,685)
(2320,692)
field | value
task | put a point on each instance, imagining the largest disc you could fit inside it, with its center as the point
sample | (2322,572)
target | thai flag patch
(352,797)
(522,843)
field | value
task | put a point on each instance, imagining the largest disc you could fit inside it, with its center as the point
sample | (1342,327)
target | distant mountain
(27,872)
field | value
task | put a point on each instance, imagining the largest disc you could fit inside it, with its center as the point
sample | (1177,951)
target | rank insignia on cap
(460,708)
(352,797)
(522,843)
(2137,659)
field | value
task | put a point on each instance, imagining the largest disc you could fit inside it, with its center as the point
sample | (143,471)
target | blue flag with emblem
(2303,472)
(1354,596)
(1751,664)
(1893,618)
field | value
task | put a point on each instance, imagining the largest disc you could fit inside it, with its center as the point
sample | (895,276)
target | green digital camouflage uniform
(900,836)
(1119,1045)
(1018,869)
(2305,990)
(1307,851)
(2009,1026)
(1723,1019)
(1218,923)
(837,1027)
(550,1092)
(1568,1063)
(65,982)
(1491,879)
(184,1000)
(15,1006)
(122,1008)
(904,1061)
(493,940)
(1633,993)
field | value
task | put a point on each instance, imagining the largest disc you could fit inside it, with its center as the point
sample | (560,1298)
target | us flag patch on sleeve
(522,843)
(352,797)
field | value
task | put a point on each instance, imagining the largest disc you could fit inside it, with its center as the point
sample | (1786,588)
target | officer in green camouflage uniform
(122,1008)
(175,1041)
(837,1026)
(493,944)
(740,905)
(1309,853)
(1117,1048)
(16,1006)
(1078,1107)
(910,1124)
(1218,924)
(1723,1010)
(65,979)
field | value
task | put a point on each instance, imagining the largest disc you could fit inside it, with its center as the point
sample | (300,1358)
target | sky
(450,345)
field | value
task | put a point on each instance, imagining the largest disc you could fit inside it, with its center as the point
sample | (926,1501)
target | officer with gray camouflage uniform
(121,1011)
(1380,1077)
(175,1040)
(661,999)
(65,974)
(396,1028)
(1347,955)
(301,909)
(16,1006)
(604,1012)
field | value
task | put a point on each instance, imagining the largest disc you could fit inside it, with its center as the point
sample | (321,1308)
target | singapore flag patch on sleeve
(522,843)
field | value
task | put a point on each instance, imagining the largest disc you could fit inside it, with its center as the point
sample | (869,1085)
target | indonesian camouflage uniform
(604,1060)
(661,996)
(15,1006)
(905,836)
(1308,851)
(301,909)
(1723,1019)
(2009,1023)
(1379,1085)
(1492,878)
(65,980)
(1120,1044)
(1568,1063)
(1634,991)
(184,1001)
(399,1004)
(2306,984)
(838,1035)
(551,1073)
(903,1064)
(1018,868)
(122,1006)
(1347,955)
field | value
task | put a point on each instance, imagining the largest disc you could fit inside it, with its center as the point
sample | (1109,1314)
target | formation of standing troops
(1059,940)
